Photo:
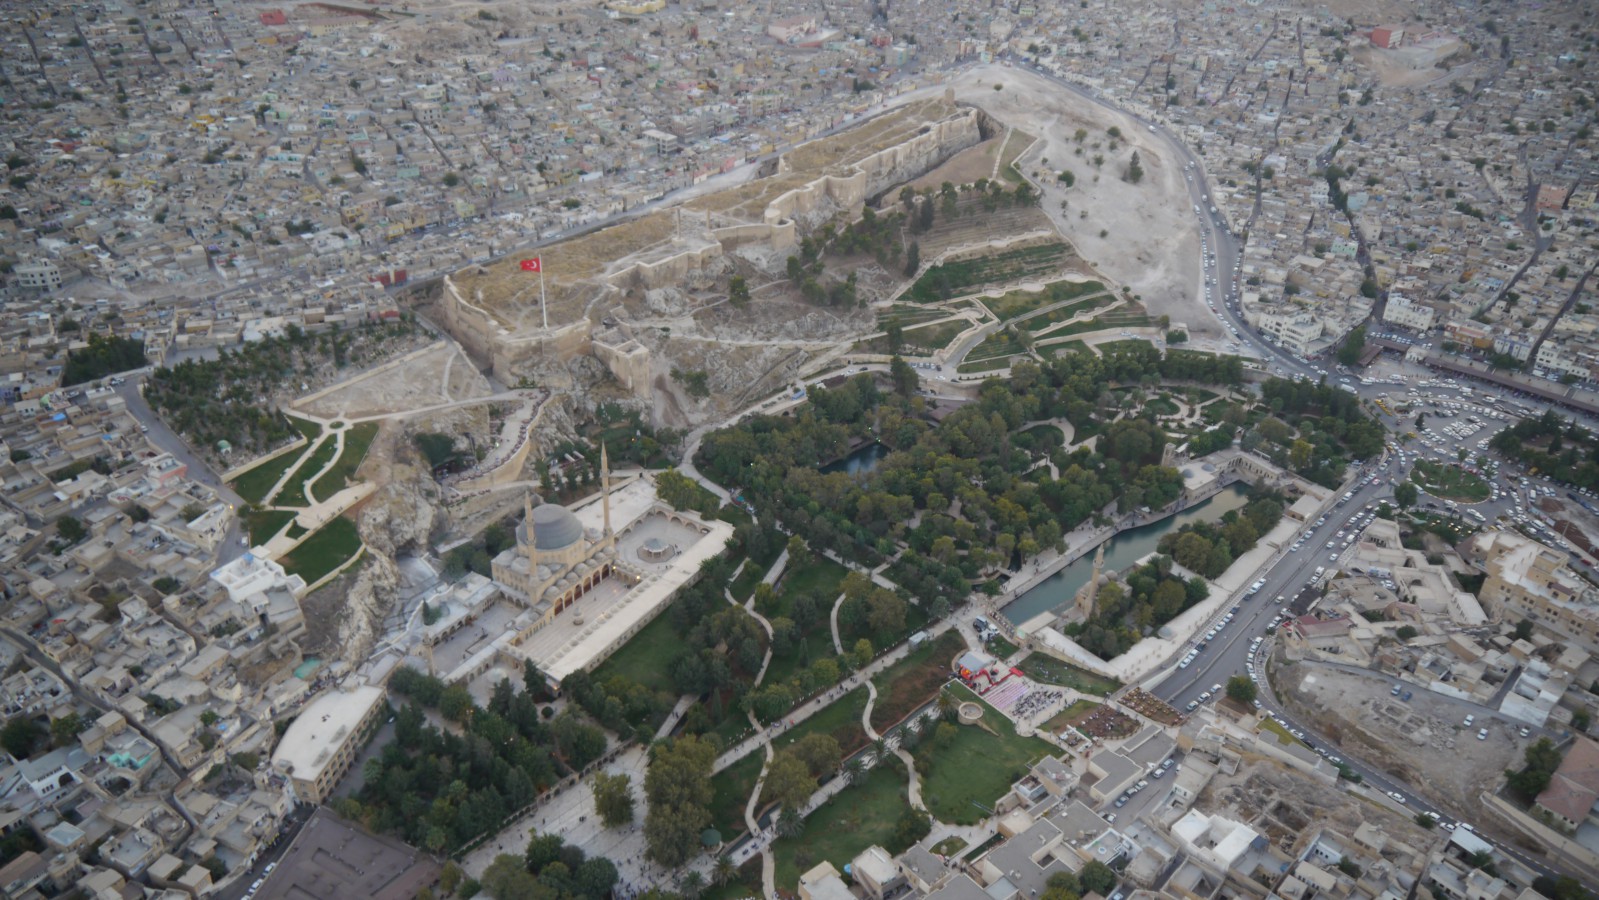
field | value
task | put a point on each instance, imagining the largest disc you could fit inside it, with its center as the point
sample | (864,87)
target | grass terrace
(356,443)
(962,779)
(1016,143)
(1052,671)
(254,483)
(1016,303)
(293,491)
(264,524)
(326,549)
(645,658)
(843,827)
(962,277)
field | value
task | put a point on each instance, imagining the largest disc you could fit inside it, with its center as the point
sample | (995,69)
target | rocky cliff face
(399,518)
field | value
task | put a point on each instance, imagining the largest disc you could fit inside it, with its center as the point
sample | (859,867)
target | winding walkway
(914,779)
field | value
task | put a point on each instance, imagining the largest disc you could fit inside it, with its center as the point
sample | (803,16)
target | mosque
(574,588)
(556,560)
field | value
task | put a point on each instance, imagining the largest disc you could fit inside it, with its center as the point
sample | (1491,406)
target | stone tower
(1168,455)
(527,526)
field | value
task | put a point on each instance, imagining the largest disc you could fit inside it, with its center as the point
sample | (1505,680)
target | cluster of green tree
(439,789)
(477,555)
(23,736)
(959,277)
(797,769)
(1354,344)
(874,234)
(620,704)
(550,869)
(1208,548)
(1094,878)
(1543,758)
(214,400)
(1555,447)
(678,787)
(628,436)
(1209,441)
(1320,427)
(104,356)
(1152,596)
(1005,510)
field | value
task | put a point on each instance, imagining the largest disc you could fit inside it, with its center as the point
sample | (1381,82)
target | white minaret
(605,486)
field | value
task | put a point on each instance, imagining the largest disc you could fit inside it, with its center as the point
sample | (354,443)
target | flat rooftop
(308,745)
(334,858)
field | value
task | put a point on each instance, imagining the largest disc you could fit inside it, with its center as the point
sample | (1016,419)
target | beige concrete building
(1529,579)
(318,748)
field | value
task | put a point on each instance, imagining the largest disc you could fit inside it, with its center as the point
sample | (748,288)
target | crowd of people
(1034,703)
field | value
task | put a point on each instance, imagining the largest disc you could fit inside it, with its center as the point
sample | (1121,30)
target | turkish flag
(530,265)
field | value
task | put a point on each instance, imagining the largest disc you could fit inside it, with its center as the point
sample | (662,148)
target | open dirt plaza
(1151,240)
(1423,742)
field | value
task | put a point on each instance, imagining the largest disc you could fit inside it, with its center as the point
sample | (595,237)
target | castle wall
(629,361)
(665,272)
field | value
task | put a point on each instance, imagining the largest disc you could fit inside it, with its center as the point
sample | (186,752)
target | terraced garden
(356,442)
(993,353)
(965,276)
(1014,304)
(1016,143)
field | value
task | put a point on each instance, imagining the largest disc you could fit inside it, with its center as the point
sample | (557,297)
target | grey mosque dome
(554,528)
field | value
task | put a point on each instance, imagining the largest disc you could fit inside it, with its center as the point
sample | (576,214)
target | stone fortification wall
(668,272)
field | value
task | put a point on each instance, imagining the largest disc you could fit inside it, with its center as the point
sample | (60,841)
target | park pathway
(914,786)
(838,640)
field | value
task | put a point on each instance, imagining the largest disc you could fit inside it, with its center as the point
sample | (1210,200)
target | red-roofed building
(274,17)
(1388,37)
(1574,789)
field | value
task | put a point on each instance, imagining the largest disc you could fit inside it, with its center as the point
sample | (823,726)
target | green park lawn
(263,524)
(1065,716)
(1449,482)
(356,442)
(963,778)
(644,659)
(293,491)
(1052,671)
(854,819)
(325,550)
(732,787)
(841,719)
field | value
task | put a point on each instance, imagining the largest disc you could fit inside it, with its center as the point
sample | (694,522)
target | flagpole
(544,305)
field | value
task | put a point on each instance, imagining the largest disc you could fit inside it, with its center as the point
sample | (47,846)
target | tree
(542,849)
(613,799)
(738,290)
(788,782)
(450,876)
(1299,455)
(678,786)
(20,736)
(1406,632)
(66,729)
(1405,494)
(1135,172)
(913,825)
(1098,878)
(70,529)
(1354,344)
(723,870)
(1524,629)
(1241,689)
(1542,760)
(1425,820)
(506,879)
(913,259)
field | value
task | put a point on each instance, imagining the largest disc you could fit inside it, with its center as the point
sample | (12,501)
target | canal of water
(1121,551)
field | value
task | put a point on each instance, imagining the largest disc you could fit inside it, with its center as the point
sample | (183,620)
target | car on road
(1482,734)
(1397,796)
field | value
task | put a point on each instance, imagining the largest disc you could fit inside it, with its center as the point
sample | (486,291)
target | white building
(318,748)
(1407,313)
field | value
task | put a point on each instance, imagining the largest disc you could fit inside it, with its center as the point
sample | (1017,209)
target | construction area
(1422,742)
